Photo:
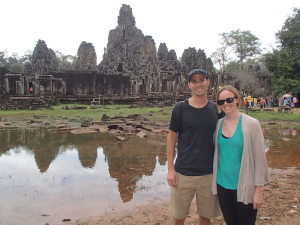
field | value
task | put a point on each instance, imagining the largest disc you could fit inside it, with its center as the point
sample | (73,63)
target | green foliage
(284,62)
(232,67)
(14,63)
(286,85)
(3,62)
(289,36)
(244,44)
(65,62)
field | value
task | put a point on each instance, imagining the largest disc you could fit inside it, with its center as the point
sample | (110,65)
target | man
(192,126)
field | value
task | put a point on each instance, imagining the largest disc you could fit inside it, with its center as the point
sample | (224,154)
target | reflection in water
(284,147)
(130,160)
(46,145)
(47,176)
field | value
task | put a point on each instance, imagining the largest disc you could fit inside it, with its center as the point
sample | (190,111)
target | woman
(240,166)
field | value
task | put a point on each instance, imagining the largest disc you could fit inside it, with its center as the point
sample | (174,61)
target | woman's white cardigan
(254,168)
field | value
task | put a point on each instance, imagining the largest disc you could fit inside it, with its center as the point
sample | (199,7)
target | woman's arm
(261,173)
(258,197)
(261,167)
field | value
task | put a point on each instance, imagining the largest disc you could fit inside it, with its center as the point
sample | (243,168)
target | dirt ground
(281,207)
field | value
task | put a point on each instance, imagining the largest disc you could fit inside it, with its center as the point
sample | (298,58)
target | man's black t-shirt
(195,128)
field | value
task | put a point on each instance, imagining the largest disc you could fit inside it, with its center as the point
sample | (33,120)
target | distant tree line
(17,64)
(240,50)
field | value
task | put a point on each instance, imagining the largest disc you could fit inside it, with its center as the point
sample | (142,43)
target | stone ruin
(44,60)
(131,53)
(131,66)
(86,58)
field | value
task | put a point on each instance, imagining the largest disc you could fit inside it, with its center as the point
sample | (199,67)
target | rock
(265,218)
(113,127)
(61,121)
(292,211)
(158,131)
(83,131)
(105,117)
(102,129)
(120,138)
(5,124)
(86,124)
(142,134)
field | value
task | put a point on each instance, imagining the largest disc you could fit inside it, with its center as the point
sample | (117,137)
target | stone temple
(131,66)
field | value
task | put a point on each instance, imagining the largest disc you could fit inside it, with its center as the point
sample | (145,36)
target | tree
(284,62)
(3,62)
(14,65)
(244,44)
(65,62)
(11,62)
(286,85)
(289,36)
(221,55)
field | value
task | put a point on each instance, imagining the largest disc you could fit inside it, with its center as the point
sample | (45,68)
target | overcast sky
(64,24)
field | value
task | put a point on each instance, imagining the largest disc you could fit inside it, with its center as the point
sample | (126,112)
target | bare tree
(221,55)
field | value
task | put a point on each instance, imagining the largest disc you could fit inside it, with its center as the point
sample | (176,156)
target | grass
(58,112)
(160,114)
(275,116)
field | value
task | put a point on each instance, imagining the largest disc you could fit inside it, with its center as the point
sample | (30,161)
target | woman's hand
(258,197)
(172,178)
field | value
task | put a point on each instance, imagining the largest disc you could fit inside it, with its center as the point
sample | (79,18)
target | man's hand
(258,197)
(172,178)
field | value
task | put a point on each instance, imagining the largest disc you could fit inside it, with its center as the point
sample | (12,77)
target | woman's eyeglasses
(228,100)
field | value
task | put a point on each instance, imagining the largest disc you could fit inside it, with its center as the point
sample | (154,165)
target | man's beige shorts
(183,194)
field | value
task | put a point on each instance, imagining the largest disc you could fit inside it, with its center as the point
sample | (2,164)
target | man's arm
(171,143)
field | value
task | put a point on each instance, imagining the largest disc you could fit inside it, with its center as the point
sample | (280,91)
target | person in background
(246,105)
(254,102)
(240,165)
(286,101)
(262,103)
(192,126)
(280,101)
(31,90)
(294,102)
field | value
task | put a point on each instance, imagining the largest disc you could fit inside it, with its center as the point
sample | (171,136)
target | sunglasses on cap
(228,100)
